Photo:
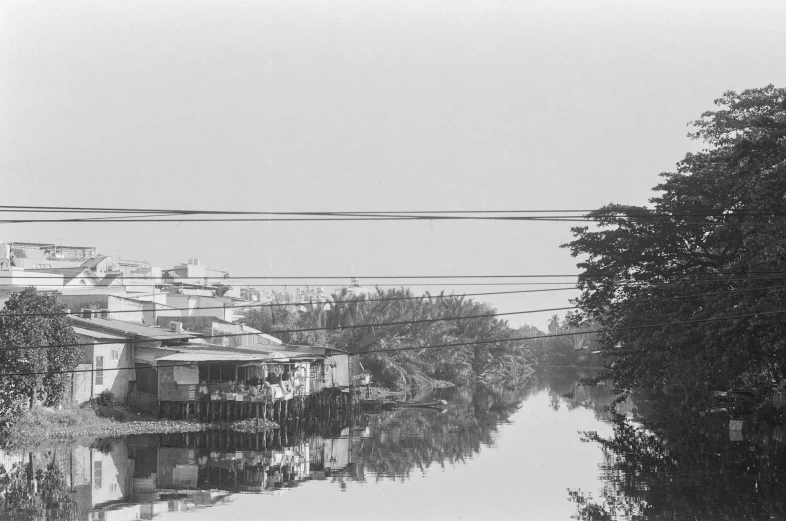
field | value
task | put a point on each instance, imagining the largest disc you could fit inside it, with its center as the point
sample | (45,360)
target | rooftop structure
(356,290)
(42,255)
(195,273)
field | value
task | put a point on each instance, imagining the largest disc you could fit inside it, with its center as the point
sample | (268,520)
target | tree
(554,324)
(711,246)
(396,360)
(280,321)
(221,290)
(37,373)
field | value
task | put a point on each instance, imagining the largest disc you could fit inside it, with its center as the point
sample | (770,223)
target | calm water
(541,449)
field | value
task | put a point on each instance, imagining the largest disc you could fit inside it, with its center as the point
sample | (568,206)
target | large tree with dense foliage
(711,246)
(36,374)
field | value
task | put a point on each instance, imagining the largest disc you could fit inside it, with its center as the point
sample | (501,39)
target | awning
(275,360)
(206,356)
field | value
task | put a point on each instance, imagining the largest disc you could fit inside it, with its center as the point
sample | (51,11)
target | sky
(361,106)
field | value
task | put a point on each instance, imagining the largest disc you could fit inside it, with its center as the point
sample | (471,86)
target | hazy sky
(361,105)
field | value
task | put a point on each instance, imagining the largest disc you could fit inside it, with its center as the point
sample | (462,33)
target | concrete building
(192,272)
(39,255)
(110,354)
(240,335)
(356,290)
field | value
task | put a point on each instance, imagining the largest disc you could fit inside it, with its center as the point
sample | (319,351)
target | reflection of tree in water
(36,493)
(661,464)
(564,388)
(666,474)
(411,439)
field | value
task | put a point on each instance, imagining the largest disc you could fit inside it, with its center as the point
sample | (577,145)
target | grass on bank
(88,422)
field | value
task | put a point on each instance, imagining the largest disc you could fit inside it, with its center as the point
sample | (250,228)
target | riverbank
(83,424)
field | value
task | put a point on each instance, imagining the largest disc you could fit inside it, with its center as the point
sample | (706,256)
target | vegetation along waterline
(393,353)
(82,424)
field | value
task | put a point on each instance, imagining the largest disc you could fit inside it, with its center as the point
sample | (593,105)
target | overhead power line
(456,344)
(345,277)
(36,274)
(586,332)
(647,212)
(405,322)
(291,304)
(375,300)
(198,336)
(584,220)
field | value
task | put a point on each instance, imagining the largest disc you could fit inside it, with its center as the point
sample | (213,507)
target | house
(139,276)
(169,375)
(204,305)
(39,255)
(355,290)
(109,354)
(92,274)
(172,373)
(330,368)
(119,306)
(192,272)
(16,279)
(215,328)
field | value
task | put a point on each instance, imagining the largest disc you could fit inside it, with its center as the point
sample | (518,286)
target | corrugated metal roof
(95,334)
(206,356)
(296,354)
(129,329)
(265,335)
(310,350)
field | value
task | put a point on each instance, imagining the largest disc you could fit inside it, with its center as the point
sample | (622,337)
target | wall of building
(20,279)
(131,311)
(81,384)
(110,474)
(117,382)
(177,468)
(337,370)
(177,382)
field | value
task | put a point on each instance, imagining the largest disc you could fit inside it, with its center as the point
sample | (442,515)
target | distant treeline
(566,343)
(389,364)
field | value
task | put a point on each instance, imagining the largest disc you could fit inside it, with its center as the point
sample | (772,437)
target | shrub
(106,397)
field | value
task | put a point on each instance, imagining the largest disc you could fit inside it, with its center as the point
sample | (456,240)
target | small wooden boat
(431,404)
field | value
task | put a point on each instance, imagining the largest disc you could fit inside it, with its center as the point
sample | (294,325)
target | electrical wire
(397,323)
(303,330)
(627,212)
(584,220)
(292,304)
(384,299)
(456,344)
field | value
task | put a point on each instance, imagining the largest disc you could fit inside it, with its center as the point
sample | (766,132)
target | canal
(543,449)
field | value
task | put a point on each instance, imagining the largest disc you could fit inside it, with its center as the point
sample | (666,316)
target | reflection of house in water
(144,477)
(330,455)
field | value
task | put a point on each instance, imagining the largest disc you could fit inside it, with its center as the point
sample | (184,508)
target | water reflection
(654,464)
(140,477)
(663,464)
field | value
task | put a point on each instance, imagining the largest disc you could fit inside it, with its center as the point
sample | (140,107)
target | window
(98,474)
(99,369)
(114,355)
(114,487)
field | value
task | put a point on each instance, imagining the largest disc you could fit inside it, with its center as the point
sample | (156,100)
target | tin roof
(128,329)
(212,356)
(95,334)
